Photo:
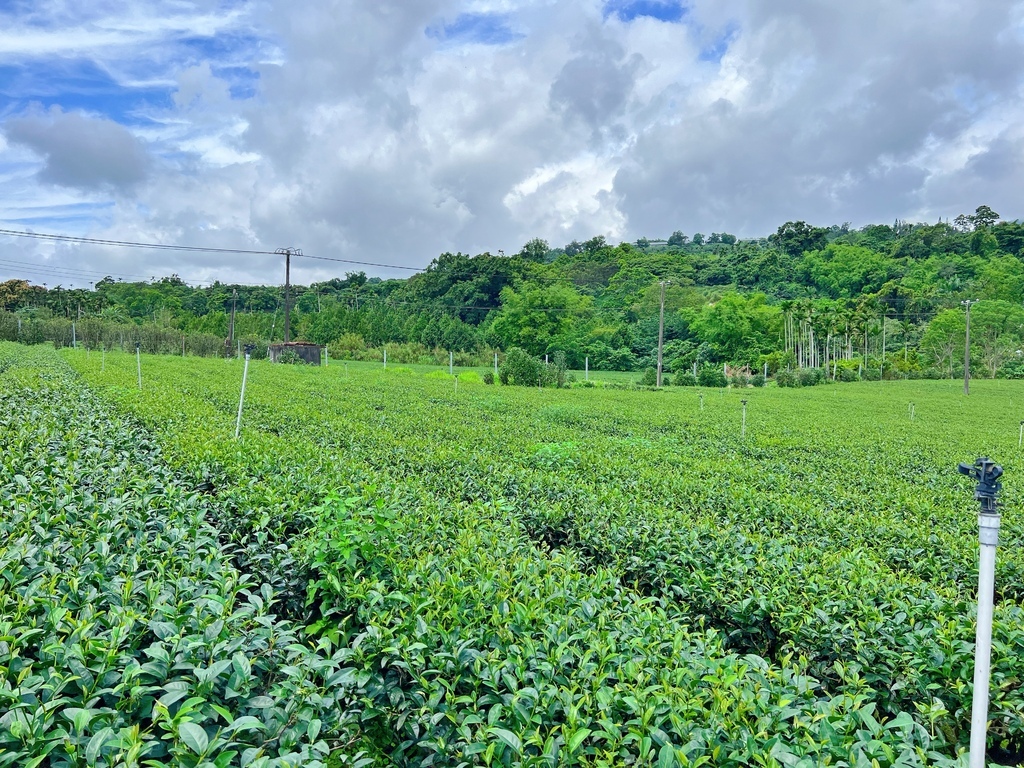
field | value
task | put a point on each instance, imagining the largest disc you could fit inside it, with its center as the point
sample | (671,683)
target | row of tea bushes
(476,636)
(126,637)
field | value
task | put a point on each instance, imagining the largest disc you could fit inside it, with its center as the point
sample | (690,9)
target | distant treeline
(805,297)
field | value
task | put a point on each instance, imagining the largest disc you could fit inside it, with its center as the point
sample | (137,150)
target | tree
(846,271)
(677,239)
(1010,236)
(983,242)
(984,217)
(996,331)
(535,250)
(698,239)
(740,328)
(798,237)
(594,244)
(535,316)
(944,339)
(12,292)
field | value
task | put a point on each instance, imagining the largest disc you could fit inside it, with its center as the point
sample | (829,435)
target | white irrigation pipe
(988,530)
(241,399)
(987,473)
(138,363)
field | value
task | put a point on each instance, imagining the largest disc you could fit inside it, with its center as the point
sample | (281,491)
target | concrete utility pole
(288,253)
(661,326)
(967,347)
(231,325)
(881,371)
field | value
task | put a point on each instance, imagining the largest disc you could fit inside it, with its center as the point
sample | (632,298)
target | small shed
(306,352)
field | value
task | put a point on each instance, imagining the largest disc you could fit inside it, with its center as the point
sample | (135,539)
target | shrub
(739,380)
(758,380)
(684,379)
(488,378)
(519,369)
(650,377)
(787,378)
(1012,369)
(777,361)
(809,377)
(847,374)
(711,376)
(559,368)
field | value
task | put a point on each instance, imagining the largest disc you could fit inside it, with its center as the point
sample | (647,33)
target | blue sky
(663,10)
(482,28)
(390,131)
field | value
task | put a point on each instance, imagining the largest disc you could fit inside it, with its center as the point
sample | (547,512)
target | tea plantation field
(386,571)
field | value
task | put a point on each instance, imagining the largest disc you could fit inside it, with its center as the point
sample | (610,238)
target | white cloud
(350,131)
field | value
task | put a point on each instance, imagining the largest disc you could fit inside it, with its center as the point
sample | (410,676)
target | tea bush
(126,637)
(604,578)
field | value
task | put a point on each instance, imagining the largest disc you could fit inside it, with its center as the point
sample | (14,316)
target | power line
(60,268)
(187,248)
(90,276)
(362,263)
(127,243)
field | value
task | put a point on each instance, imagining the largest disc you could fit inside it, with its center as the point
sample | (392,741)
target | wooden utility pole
(967,347)
(288,253)
(661,326)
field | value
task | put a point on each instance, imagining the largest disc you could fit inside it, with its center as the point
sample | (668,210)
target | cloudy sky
(389,131)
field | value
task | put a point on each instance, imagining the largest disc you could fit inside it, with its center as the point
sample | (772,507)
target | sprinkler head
(987,473)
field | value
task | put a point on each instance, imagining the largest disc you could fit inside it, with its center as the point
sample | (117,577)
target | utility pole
(231,325)
(967,347)
(288,253)
(881,371)
(661,326)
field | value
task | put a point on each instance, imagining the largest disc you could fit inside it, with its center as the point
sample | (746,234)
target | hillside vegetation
(878,301)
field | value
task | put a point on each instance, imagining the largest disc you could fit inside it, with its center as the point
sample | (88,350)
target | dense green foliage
(806,296)
(600,577)
(126,637)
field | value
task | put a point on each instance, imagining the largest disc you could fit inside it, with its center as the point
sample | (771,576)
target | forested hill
(803,296)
